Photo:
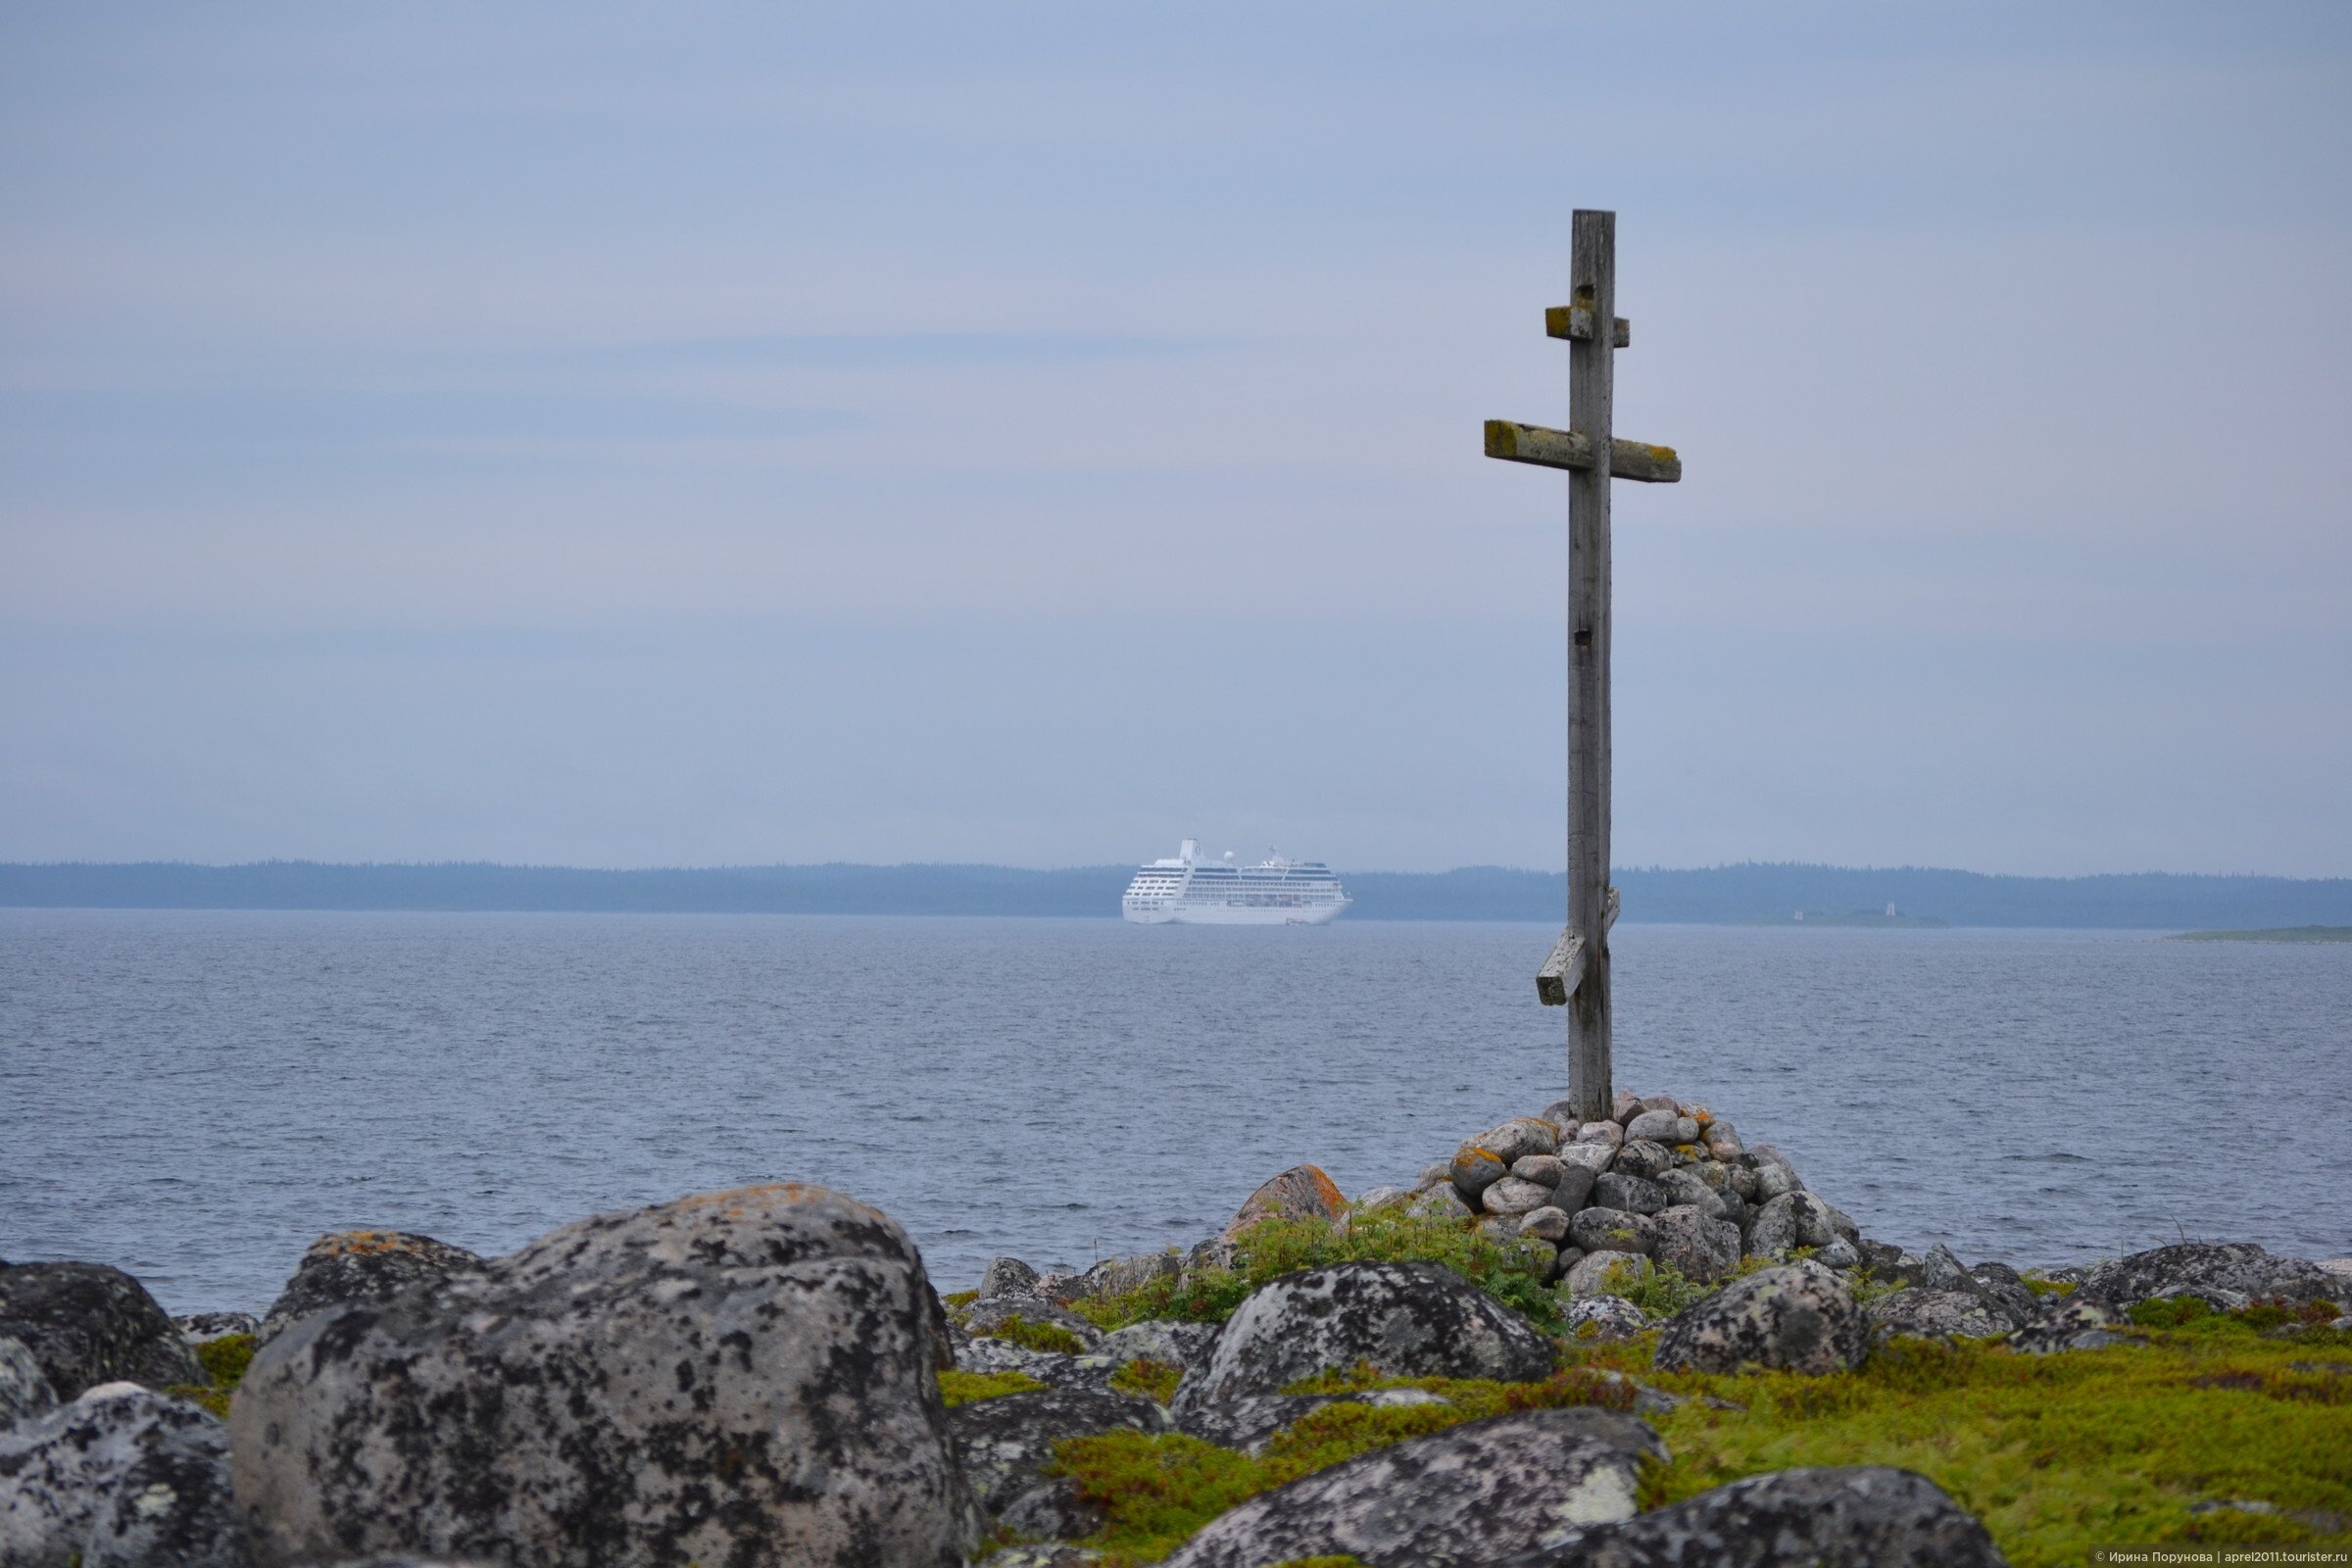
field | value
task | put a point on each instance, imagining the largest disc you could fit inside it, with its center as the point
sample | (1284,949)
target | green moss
(226,1358)
(965,1388)
(211,1398)
(961,1298)
(224,1361)
(2041,1287)
(2055,1454)
(1034,1336)
(1154,1380)
(1510,1272)
(1155,1491)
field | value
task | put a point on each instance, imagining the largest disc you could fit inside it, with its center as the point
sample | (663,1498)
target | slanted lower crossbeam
(1564,970)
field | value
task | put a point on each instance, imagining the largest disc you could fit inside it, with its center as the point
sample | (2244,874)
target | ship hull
(1226,914)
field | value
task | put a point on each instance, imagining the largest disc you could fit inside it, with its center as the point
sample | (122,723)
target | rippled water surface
(193,1096)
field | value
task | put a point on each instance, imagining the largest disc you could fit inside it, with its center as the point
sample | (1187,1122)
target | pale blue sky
(709,434)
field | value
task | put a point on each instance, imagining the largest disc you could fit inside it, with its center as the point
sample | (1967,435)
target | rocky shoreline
(768,1376)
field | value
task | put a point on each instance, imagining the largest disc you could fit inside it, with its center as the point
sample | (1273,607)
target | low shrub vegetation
(1511,1273)
(1018,1330)
(1154,1380)
(2055,1454)
(224,1361)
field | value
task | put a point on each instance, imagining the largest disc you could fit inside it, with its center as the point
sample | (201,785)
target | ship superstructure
(1274,891)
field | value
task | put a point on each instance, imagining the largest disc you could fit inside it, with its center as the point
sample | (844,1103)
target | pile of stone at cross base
(752,1376)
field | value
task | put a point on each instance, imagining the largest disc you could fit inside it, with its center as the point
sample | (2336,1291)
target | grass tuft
(1154,1380)
(1029,1336)
(1510,1272)
(968,1387)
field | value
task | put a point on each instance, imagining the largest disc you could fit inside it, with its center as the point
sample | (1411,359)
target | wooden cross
(1576,974)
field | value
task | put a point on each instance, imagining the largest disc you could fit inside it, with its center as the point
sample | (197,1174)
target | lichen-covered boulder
(24,1388)
(1008,1276)
(2065,1324)
(1465,1496)
(202,1328)
(1612,1230)
(1687,1186)
(742,1376)
(1800,1317)
(1405,1319)
(1007,1443)
(1937,1314)
(1867,1516)
(2196,1268)
(1599,1319)
(1639,1157)
(1701,1247)
(1634,1194)
(120,1478)
(1511,1196)
(1595,1273)
(88,1324)
(1303,1192)
(350,1267)
(1177,1344)
(1776,1174)
(1791,1220)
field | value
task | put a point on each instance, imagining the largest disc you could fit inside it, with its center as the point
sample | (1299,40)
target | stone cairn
(1662,1181)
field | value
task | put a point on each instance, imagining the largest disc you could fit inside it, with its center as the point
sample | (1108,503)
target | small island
(2284,933)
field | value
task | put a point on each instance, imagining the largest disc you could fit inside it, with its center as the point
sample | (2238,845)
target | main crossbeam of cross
(1577,974)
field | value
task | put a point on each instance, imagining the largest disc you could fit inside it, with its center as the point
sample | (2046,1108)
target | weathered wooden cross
(1576,974)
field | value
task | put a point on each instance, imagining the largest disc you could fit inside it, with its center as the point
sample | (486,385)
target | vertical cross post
(1576,974)
(1590,369)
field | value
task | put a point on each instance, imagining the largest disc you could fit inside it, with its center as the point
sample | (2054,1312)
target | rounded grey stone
(740,1376)
(1612,1230)
(1633,1194)
(1511,1196)
(1467,1495)
(1798,1317)
(1405,1319)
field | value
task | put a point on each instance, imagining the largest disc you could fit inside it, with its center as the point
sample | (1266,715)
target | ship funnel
(1190,853)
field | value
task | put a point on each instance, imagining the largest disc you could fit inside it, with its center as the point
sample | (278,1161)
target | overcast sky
(1031,434)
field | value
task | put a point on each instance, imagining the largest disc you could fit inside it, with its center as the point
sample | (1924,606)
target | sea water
(194,1095)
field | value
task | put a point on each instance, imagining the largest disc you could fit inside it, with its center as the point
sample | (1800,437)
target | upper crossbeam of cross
(1577,974)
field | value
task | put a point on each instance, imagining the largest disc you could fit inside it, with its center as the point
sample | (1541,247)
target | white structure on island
(1274,891)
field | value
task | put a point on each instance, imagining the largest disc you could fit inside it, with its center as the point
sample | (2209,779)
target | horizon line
(1100,865)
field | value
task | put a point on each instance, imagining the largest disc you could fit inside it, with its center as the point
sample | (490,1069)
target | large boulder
(1939,1314)
(1463,1497)
(1868,1516)
(1007,1443)
(24,1386)
(1405,1319)
(2216,1270)
(1612,1230)
(1800,1317)
(1587,1319)
(350,1267)
(203,1328)
(88,1324)
(1303,1192)
(741,1375)
(1178,1345)
(1701,1247)
(120,1478)
(2065,1324)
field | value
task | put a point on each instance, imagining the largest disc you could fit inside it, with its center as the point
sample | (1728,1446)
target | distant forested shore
(1727,893)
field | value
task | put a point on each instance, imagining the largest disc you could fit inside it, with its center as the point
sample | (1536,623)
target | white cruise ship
(1273,892)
